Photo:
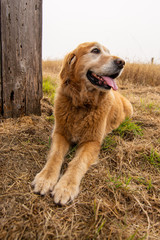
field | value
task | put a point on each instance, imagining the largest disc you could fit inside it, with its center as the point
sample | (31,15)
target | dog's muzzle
(107,81)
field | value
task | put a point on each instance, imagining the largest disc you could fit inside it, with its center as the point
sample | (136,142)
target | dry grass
(119,197)
(137,73)
(142,74)
(53,66)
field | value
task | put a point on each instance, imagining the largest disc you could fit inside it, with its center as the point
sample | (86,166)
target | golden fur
(85,112)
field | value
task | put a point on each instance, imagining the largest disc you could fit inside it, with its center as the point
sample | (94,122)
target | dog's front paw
(65,191)
(44,182)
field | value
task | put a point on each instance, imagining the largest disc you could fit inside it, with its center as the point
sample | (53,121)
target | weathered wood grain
(21,44)
(1,109)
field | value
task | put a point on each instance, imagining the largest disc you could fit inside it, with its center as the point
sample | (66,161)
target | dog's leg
(68,186)
(48,177)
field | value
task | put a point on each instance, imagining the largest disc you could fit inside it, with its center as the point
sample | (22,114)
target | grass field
(119,197)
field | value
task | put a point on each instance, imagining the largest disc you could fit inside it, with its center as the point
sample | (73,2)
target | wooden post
(0,66)
(152,60)
(21,60)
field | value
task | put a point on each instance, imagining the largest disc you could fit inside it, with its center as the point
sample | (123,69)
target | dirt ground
(119,197)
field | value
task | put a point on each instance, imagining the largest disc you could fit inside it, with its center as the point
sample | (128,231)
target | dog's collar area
(106,82)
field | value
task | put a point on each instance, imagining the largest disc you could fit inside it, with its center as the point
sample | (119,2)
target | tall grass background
(136,73)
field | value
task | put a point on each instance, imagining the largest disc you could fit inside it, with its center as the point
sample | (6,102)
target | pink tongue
(111,82)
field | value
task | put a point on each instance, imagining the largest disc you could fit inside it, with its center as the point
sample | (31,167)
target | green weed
(128,130)
(49,142)
(134,236)
(128,180)
(151,106)
(144,181)
(101,225)
(72,151)
(49,88)
(109,143)
(153,157)
(119,182)
(149,184)
(51,118)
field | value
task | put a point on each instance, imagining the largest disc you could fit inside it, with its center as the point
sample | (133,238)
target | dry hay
(142,73)
(119,197)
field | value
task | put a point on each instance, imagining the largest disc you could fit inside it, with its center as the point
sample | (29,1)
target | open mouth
(106,82)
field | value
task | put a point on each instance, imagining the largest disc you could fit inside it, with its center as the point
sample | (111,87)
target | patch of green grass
(99,219)
(151,106)
(119,182)
(134,236)
(116,182)
(49,142)
(51,118)
(109,143)
(128,130)
(103,221)
(49,88)
(72,151)
(144,181)
(153,157)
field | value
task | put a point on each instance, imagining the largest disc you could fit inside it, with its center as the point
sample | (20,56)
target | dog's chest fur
(80,123)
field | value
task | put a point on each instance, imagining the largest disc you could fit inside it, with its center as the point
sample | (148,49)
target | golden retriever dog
(87,108)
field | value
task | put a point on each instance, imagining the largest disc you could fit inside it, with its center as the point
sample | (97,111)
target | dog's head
(92,65)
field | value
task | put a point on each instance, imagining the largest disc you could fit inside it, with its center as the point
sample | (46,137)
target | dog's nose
(119,62)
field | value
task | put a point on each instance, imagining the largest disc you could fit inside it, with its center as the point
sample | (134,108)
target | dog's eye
(95,50)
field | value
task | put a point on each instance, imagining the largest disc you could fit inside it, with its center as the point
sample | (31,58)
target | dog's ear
(72,59)
(67,67)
